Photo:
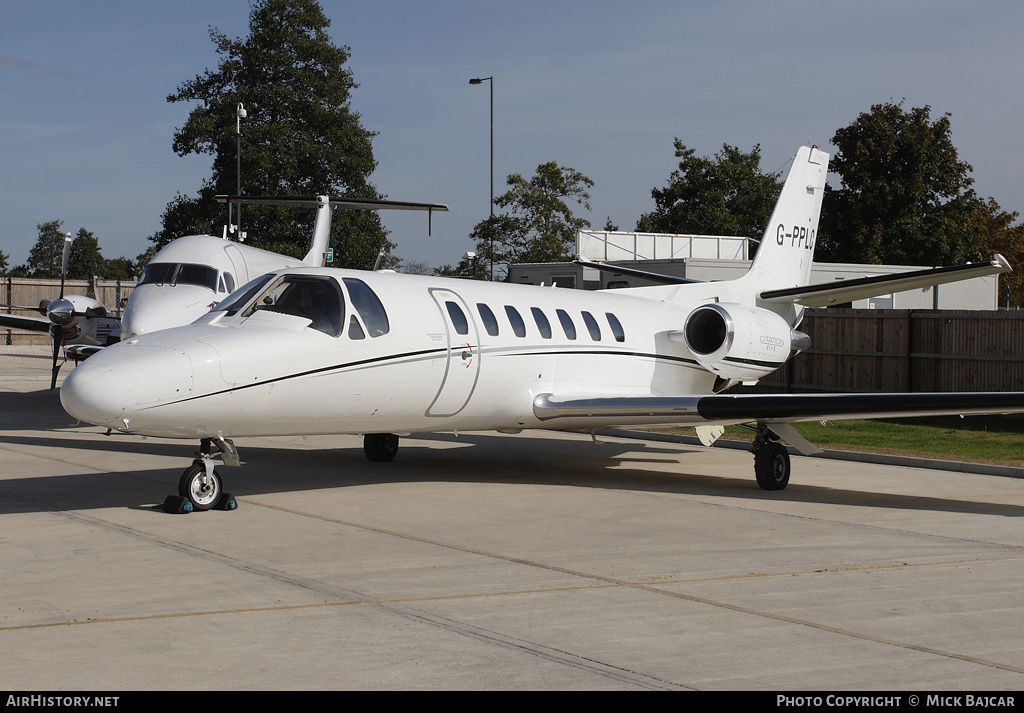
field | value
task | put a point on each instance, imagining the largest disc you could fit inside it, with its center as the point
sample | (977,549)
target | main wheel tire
(771,466)
(380,447)
(203,491)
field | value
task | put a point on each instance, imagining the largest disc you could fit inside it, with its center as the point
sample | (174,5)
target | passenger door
(462,365)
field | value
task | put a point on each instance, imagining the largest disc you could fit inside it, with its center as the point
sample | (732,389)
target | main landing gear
(771,460)
(200,486)
(380,447)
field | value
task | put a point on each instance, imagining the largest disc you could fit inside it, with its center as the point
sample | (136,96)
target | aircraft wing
(772,410)
(33,324)
(826,294)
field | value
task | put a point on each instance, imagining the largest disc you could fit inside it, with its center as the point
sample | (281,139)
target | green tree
(995,232)
(540,225)
(3,262)
(904,198)
(300,136)
(120,268)
(727,194)
(85,259)
(45,257)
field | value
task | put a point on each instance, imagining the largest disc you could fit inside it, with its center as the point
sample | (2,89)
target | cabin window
(542,322)
(516,320)
(567,324)
(355,331)
(369,307)
(592,326)
(489,320)
(616,326)
(312,297)
(459,320)
(238,299)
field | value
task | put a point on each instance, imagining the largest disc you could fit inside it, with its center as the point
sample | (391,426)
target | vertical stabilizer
(321,233)
(784,257)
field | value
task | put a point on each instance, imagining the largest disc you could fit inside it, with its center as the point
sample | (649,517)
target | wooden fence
(27,292)
(904,351)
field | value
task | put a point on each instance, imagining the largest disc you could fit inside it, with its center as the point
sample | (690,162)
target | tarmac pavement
(485,561)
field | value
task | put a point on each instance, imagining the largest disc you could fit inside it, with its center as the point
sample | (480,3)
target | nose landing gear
(201,486)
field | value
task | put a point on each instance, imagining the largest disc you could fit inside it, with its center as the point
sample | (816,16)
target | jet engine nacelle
(738,342)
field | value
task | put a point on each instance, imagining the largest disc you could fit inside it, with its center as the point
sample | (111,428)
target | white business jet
(190,275)
(325,351)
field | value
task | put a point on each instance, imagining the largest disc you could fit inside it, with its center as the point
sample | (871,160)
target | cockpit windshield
(314,297)
(173,273)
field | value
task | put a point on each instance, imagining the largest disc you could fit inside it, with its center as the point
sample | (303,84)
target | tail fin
(321,233)
(784,257)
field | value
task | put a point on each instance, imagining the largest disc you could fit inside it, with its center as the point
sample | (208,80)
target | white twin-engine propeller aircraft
(325,351)
(79,323)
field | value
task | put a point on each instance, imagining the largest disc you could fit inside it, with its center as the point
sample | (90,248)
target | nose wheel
(200,486)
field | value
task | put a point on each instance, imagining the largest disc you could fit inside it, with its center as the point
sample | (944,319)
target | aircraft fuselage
(457,355)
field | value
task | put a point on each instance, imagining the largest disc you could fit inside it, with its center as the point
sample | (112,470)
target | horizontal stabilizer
(619,269)
(349,203)
(841,291)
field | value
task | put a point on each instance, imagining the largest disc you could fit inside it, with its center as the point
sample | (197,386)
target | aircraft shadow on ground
(466,458)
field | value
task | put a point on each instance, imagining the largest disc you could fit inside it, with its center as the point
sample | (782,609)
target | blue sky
(602,87)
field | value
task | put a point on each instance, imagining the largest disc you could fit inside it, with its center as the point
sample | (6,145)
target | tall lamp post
(239,115)
(491,239)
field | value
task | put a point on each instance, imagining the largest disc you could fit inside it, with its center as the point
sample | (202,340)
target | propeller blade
(41,310)
(56,332)
(64,264)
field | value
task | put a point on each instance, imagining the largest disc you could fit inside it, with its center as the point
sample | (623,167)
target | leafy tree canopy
(85,259)
(45,257)
(995,232)
(727,194)
(299,137)
(904,198)
(539,225)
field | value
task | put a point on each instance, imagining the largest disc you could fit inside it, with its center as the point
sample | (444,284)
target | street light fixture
(491,239)
(239,115)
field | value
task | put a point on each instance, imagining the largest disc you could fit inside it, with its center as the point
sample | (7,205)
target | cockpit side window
(369,306)
(238,299)
(313,297)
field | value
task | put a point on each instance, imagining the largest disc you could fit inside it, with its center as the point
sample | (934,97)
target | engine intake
(739,342)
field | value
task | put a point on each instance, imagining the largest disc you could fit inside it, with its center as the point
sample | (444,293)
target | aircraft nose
(152,308)
(114,384)
(136,322)
(92,395)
